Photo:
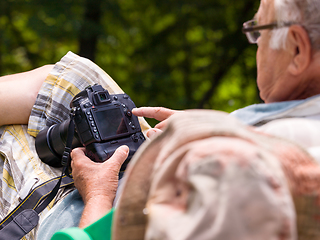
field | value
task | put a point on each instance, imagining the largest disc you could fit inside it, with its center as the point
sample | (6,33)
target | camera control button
(88,113)
(135,138)
(87,105)
(128,113)
(125,96)
(141,136)
(115,98)
(132,125)
(96,136)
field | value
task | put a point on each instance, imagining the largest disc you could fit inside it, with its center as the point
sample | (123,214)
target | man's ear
(299,46)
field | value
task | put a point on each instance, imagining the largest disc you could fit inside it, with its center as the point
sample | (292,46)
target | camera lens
(50,143)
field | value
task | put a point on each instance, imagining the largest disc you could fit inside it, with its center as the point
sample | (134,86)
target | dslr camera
(102,123)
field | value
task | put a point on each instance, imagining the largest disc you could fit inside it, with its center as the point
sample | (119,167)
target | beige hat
(210,177)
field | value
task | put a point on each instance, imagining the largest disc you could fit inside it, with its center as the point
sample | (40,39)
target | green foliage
(178,54)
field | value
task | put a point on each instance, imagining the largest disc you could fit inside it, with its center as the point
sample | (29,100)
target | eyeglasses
(252,29)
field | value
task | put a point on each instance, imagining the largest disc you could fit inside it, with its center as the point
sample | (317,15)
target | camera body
(103,122)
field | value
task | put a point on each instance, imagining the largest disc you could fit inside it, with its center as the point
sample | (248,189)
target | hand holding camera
(97,183)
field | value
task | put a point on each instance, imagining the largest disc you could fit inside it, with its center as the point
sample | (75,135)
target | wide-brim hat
(208,176)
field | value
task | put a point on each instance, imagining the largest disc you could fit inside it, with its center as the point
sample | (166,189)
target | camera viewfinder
(102,97)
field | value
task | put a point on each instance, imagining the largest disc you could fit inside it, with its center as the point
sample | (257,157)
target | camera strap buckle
(65,157)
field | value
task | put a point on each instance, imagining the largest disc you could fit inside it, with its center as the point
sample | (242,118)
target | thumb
(77,152)
(119,156)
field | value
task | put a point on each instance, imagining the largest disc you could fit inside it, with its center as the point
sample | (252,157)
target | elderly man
(287,35)
(288,61)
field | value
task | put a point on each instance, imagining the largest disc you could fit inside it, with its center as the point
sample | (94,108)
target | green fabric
(71,234)
(101,229)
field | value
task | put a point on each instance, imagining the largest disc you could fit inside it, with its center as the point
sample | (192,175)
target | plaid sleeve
(70,75)
(20,167)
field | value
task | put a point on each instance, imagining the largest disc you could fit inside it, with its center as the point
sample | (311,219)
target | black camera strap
(25,216)
(65,161)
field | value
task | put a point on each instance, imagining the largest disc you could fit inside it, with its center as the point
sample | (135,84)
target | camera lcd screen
(110,122)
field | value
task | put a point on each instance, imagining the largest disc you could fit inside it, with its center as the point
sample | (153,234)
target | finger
(162,124)
(77,152)
(158,113)
(78,156)
(153,132)
(118,157)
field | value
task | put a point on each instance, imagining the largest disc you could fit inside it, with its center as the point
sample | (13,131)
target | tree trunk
(90,29)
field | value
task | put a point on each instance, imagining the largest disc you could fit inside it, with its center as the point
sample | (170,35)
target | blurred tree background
(175,53)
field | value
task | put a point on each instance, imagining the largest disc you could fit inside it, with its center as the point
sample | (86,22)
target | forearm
(18,93)
(95,209)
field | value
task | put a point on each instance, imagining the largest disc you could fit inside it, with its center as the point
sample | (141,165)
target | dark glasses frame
(251,29)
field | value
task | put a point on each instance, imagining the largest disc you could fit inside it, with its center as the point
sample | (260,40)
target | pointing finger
(158,113)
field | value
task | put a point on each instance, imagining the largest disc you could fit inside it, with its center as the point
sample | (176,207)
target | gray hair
(305,12)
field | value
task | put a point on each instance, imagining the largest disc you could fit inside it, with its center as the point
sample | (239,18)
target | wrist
(101,200)
(95,208)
